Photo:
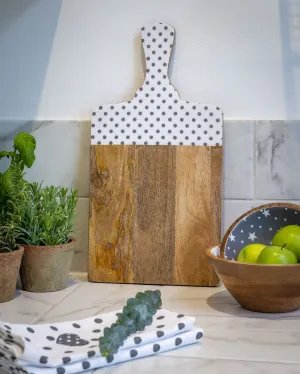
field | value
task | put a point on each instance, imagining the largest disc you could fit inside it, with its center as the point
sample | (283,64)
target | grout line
(254,200)
(254,160)
(55,304)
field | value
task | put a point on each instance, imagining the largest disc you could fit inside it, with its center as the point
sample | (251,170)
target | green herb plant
(48,215)
(12,183)
(136,315)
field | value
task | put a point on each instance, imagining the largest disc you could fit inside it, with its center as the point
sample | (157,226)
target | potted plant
(48,215)
(11,182)
(10,259)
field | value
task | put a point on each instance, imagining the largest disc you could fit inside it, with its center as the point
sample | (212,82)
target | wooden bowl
(259,288)
(258,225)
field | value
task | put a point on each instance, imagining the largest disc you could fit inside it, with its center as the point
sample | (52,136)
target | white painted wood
(157,115)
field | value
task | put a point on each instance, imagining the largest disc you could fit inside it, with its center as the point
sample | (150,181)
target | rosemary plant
(48,215)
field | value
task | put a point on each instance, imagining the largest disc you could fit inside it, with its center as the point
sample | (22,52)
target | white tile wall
(277,160)
(81,233)
(63,153)
(238,159)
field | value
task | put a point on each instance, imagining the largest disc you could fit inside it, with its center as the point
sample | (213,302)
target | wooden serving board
(156,181)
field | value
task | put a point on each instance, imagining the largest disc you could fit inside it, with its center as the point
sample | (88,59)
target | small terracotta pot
(46,268)
(9,271)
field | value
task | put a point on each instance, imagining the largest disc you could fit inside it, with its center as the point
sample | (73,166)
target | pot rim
(20,249)
(210,255)
(72,242)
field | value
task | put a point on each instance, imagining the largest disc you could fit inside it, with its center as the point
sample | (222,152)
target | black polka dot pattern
(133,353)
(158,101)
(44,360)
(137,340)
(91,353)
(109,359)
(160,337)
(66,360)
(71,340)
(86,365)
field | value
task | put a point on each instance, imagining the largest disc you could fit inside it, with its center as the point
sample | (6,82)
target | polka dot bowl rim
(250,213)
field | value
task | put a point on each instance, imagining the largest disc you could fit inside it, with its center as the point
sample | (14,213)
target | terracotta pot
(46,268)
(9,271)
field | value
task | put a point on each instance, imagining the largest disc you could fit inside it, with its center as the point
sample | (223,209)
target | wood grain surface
(260,288)
(154,211)
(198,213)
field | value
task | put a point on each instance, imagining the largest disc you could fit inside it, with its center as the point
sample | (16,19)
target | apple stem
(283,246)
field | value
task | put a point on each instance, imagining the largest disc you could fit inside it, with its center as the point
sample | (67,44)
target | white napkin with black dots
(73,347)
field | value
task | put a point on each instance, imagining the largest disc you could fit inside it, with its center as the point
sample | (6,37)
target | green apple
(250,253)
(289,237)
(276,255)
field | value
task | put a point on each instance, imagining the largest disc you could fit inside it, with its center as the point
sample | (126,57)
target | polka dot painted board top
(73,346)
(157,115)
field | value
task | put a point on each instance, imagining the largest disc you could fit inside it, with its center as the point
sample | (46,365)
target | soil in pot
(9,271)
(46,269)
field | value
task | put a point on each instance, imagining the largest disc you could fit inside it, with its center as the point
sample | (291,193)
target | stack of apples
(285,249)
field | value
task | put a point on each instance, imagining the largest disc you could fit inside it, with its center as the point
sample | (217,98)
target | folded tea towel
(73,347)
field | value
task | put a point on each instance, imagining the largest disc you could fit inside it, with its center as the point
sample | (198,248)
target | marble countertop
(236,341)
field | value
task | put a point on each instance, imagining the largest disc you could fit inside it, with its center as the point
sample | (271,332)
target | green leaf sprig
(136,315)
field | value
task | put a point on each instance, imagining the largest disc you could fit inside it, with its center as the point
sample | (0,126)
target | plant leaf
(26,144)
(7,180)
(4,154)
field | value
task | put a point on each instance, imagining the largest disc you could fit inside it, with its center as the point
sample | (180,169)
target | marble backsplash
(260,165)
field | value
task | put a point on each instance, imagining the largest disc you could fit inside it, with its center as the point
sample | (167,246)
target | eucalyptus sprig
(136,315)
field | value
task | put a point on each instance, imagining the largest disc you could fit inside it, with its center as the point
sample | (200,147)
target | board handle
(157,40)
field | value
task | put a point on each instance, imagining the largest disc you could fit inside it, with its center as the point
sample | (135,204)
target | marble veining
(277,152)
(235,341)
